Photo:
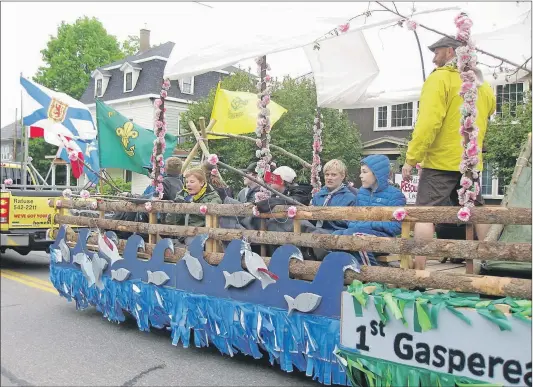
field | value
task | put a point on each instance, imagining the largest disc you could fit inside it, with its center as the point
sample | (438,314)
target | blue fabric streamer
(302,341)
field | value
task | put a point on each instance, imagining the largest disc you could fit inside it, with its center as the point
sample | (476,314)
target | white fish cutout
(65,251)
(239,279)
(298,255)
(157,277)
(354,266)
(56,255)
(194,266)
(108,248)
(120,274)
(304,302)
(86,265)
(257,267)
(98,266)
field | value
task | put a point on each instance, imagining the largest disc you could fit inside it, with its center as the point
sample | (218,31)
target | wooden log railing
(404,246)
(456,248)
(408,278)
(482,215)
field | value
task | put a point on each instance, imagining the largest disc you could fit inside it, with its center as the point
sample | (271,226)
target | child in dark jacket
(375,191)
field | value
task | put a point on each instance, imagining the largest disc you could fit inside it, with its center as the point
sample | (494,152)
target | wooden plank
(152,219)
(297,226)
(201,121)
(501,251)
(389,258)
(190,157)
(217,246)
(406,261)
(469,237)
(209,243)
(482,215)
(262,227)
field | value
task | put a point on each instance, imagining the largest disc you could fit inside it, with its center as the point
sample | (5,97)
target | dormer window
(129,82)
(99,83)
(131,75)
(187,85)
(101,80)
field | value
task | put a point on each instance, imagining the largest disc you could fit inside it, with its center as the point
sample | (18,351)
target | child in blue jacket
(375,191)
(334,193)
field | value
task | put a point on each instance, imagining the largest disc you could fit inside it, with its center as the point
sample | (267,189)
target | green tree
(505,136)
(38,149)
(131,45)
(400,161)
(293,132)
(74,53)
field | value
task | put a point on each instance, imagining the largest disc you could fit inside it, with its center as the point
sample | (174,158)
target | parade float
(337,321)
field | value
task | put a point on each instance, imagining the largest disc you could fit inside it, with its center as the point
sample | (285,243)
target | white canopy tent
(372,61)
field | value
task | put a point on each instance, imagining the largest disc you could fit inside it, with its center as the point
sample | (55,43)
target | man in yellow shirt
(436,142)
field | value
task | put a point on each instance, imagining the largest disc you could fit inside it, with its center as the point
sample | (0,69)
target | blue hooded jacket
(342,198)
(384,195)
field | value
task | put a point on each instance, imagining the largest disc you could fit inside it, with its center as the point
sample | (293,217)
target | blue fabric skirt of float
(303,341)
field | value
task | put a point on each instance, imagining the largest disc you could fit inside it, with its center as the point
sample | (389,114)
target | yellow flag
(236,112)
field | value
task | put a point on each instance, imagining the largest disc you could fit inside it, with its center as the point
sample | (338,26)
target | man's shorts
(439,188)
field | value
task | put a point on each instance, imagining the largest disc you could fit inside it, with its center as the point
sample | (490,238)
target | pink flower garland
(399,214)
(262,131)
(466,63)
(291,211)
(160,129)
(411,25)
(343,28)
(316,166)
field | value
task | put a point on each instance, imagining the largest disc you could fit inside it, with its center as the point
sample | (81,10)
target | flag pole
(15,135)
(102,170)
(26,145)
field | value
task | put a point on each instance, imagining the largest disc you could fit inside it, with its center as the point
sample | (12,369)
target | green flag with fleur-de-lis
(124,144)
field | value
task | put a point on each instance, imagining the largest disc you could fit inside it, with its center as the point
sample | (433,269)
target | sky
(27,27)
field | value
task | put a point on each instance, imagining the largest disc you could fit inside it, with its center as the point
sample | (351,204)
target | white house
(132,84)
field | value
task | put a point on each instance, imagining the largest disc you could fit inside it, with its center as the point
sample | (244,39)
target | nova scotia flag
(63,119)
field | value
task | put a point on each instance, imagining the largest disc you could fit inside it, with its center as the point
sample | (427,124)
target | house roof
(383,140)
(8,131)
(150,76)
(163,50)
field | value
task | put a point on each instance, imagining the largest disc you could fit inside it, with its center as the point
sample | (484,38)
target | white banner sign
(480,351)
(409,188)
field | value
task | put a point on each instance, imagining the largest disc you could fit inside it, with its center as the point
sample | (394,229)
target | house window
(490,185)
(382,117)
(128,82)
(402,115)
(99,87)
(127,176)
(6,152)
(395,117)
(187,85)
(510,93)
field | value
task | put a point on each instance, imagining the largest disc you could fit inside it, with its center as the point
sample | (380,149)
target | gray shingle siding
(364,119)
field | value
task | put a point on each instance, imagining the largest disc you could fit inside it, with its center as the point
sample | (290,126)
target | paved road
(46,342)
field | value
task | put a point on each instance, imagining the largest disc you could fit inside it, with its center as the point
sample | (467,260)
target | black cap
(250,168)
(445,42)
